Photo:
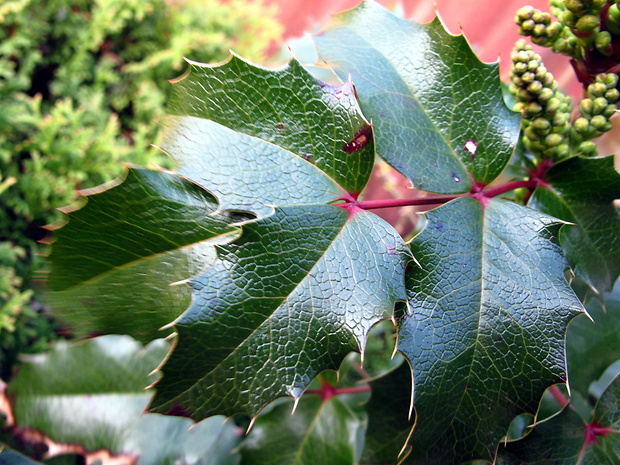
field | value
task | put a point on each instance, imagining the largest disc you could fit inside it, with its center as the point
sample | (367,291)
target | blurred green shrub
(81,82)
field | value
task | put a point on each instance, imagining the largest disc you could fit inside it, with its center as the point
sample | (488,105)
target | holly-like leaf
(566,439)
(87,394)
(389,421)
(437,110)
(485,328)
(288,299)
(260,138)
(593,343)
(582,191)
(119,253)
(320,431)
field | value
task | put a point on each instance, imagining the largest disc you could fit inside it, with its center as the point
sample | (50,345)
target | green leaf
(389,423)
(89,398)
(427,95)
(566,440)
(318,432)
(160,440)
(582,191)
(88,393)
(288,299)
(486,323)
(119,253)
(260,138)
(556,441)
(593,344)
(10,457)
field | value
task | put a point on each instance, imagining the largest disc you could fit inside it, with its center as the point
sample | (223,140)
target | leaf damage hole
(471,146)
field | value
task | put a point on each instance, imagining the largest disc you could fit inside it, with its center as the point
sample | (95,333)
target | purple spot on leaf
(455,178)
(439,225)
(280,125)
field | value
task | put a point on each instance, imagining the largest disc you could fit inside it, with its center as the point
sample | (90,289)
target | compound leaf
(486,324)
(437,110)
(290,298)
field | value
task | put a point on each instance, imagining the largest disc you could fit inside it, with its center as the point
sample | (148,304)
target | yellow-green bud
(575,6)
(597,89)
(586,106)
(612,95)
(528,25)
(532,109)
(598,122)
(541,125)
(602,42)
(545,95)
(581,125)
(535,87)
(588,148)
(553,140)
(609,111)
(599,105)
(614,13)
(588,23)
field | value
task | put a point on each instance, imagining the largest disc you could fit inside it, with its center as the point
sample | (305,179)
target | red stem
(327,391)
(441,199)
(558,396)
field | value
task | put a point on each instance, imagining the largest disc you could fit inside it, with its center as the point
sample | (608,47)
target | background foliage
(81,85)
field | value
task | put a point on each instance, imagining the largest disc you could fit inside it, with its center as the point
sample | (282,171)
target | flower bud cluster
(596,111)
(578,28)
(539,26)
(546,110)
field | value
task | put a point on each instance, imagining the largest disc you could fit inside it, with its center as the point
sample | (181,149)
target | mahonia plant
(262,261)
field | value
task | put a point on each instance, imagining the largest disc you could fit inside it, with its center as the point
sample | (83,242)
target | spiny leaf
(566,439)
(593,343)
(319,431)
(288,299)
(260,138)
(582,191)
(438,112)
(486,325)
(389,423)
(119,253)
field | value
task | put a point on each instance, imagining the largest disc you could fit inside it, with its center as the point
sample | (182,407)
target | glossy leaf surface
(319,431)
(485,327)
(593,343)
(389,422)
(120,252)
(567,440)
(437,111)
(290,298)
(582,191)
(260,138)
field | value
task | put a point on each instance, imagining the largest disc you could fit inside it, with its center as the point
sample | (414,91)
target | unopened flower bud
(581,125)
(588,23)
(598,122)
